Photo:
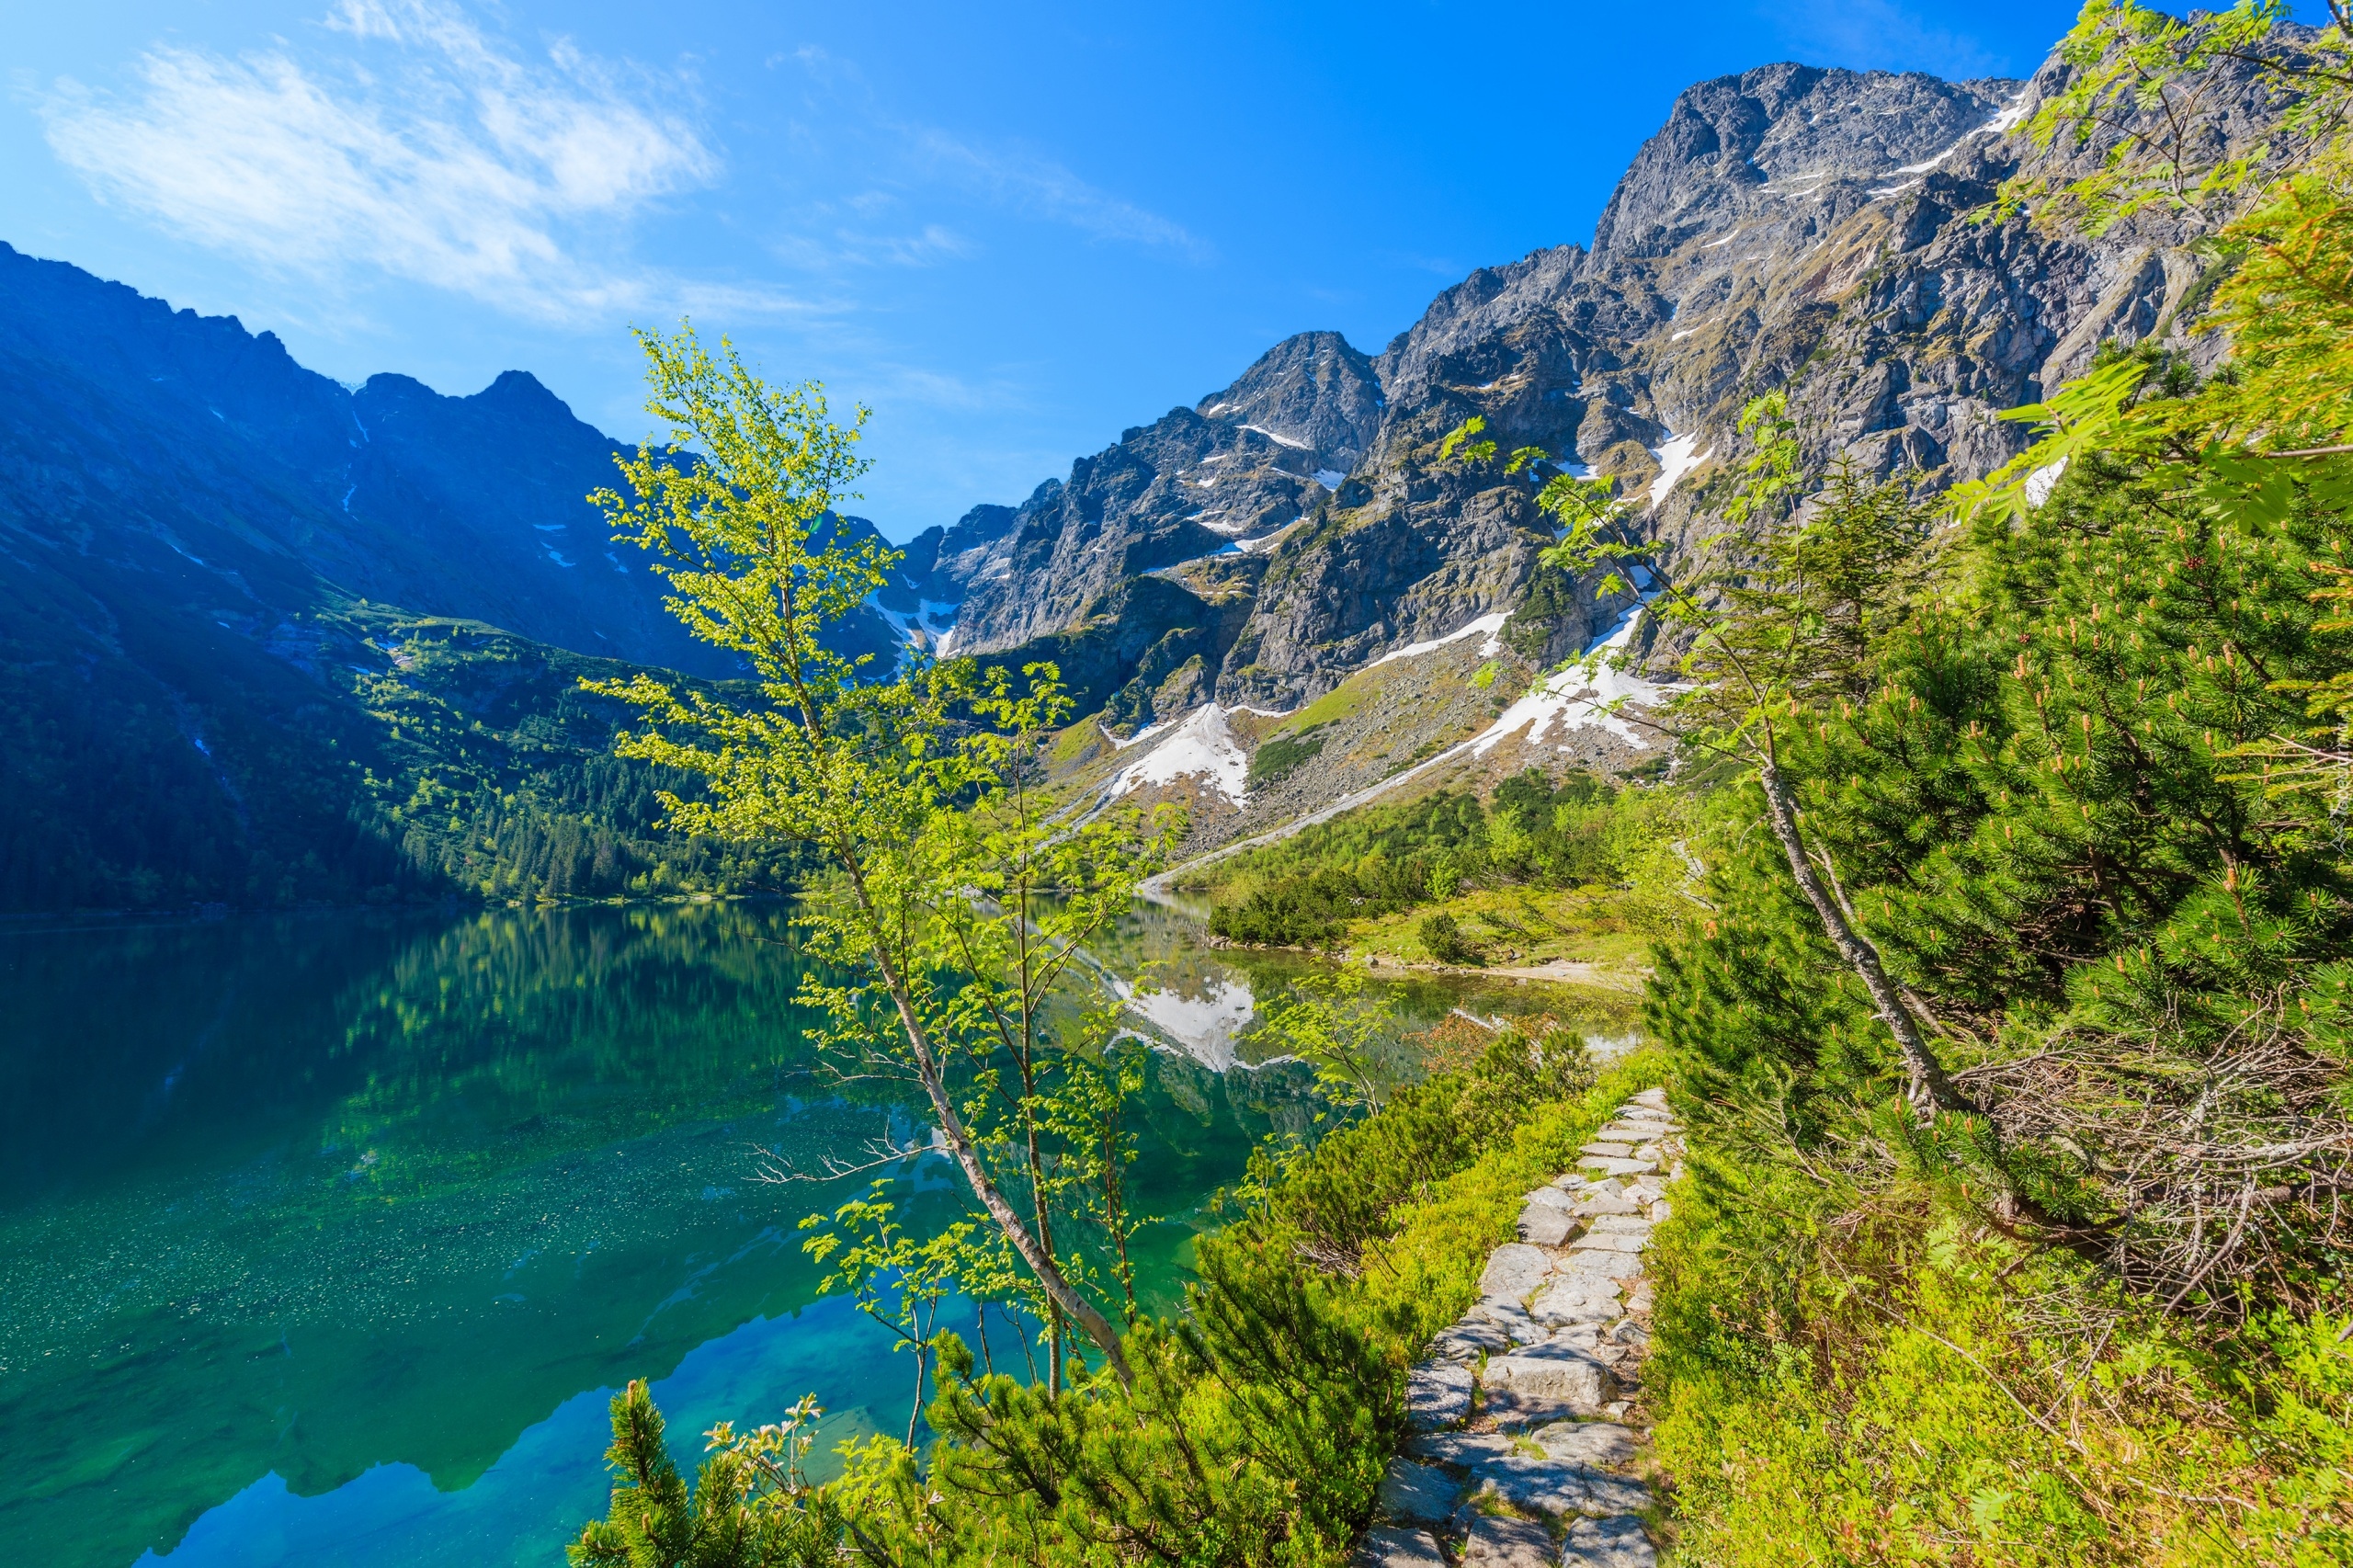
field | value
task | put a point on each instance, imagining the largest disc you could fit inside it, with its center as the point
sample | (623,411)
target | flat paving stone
(1612,1151)
(1609,1202)
(1622,1225)
(1513,1270)
(1466,1449)
(1547,1486)
(1621,1542)
(1609,1165)
(1393,1547)
(1417,1493)
(1596,1443)
(1601,1262)
(1513,1319)
(1469,1338)
(1437,1393)
(1507,1543)
(1573,1377)
(1552,1195)
(1614,1241)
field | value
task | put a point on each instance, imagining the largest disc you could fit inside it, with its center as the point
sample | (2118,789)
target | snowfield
(1202,747)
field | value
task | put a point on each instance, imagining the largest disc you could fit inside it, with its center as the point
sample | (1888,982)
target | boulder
(1621,1542)
(1395,1548)
(1513,1270)
(1417,1493)
(1437,1393)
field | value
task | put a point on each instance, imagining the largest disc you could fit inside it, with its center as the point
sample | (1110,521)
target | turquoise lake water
(325,1240)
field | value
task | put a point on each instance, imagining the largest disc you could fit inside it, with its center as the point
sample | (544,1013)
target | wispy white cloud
(1885,35)
(1044,189)
(427,151)
(851,124)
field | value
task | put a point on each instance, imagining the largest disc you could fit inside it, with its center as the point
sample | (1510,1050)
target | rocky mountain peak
(1728,141)
(1312,391)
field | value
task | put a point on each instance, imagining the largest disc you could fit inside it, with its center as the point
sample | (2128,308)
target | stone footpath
(1525,1453)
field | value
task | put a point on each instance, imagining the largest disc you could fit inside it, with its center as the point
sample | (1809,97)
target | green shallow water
(325,1240)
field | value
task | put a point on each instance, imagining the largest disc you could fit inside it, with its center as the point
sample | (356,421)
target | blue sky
(1011,230)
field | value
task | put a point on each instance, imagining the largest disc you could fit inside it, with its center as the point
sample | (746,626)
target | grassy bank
(1853,1366)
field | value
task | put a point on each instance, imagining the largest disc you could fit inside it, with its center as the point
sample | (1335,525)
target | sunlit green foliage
(1382,859)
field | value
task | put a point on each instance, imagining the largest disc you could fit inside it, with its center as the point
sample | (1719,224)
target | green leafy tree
(896,1280)
(918,790)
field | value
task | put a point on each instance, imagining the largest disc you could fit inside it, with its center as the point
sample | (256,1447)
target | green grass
(1886,1378)
(1334,705)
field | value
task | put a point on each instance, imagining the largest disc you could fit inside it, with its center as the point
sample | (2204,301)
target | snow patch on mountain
(1588,693)
(1491,625)
(1675,458)
(1200,747)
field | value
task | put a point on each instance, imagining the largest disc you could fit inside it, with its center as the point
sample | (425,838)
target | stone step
(1437,1393)
(1417,1493)
(1612,1241)
(1513,1270)
(1389,1547)
(1621,1542)
(1507,1543)
(1556,1332)
(1624,1224)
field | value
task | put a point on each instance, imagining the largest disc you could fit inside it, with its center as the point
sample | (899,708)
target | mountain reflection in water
(325,1239)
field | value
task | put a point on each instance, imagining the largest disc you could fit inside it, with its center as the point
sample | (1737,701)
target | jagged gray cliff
(1790,227)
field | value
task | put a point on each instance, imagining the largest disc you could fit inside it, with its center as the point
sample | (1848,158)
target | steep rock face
(1789,227)
(1226,476)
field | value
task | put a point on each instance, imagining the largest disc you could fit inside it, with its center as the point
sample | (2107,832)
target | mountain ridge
(191,520)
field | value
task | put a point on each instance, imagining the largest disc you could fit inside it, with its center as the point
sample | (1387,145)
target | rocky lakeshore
(1529,1447)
